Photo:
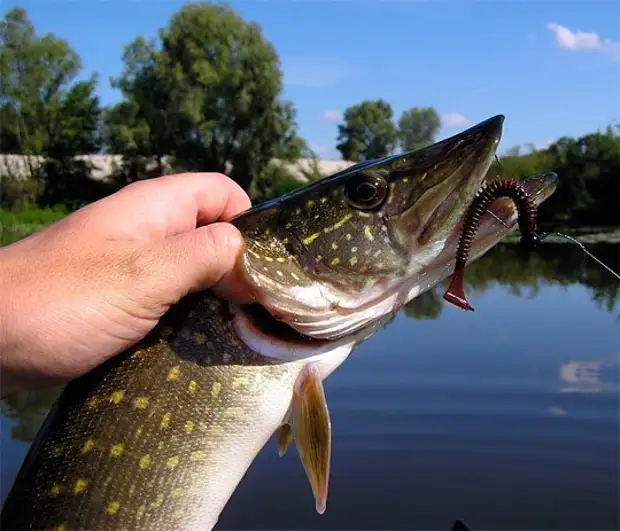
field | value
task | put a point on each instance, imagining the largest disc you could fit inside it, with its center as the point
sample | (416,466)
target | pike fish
(159,437)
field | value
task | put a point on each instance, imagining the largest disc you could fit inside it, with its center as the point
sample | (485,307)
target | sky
(552,67)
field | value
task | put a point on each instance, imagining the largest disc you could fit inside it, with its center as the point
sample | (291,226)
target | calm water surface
(507,417)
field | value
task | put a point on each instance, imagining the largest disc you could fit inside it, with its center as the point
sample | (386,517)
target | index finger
(171,204)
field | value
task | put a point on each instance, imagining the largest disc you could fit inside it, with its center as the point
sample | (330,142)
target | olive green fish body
(158,437)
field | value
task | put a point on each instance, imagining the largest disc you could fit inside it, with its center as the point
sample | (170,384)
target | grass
(17,224)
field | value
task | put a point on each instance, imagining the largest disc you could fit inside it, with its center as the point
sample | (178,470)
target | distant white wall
(104,165)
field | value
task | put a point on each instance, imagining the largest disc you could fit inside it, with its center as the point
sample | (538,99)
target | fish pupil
(366,192)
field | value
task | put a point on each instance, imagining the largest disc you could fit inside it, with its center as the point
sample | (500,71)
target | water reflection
(28,411)
(590,376)
(525,274)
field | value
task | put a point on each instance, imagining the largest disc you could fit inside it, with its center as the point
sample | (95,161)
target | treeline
(206,95)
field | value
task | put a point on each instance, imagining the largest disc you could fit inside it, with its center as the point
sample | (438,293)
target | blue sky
(551,66)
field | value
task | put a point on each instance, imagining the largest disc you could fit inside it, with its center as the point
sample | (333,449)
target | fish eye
(366,192)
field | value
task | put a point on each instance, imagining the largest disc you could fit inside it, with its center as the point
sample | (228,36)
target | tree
(368,132)
(207,95)
(418,127)
(44,111)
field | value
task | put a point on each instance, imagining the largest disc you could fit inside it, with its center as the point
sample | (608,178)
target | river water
(506,418)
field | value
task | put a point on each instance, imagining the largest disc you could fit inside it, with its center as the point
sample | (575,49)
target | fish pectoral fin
(284,434)
(312,432)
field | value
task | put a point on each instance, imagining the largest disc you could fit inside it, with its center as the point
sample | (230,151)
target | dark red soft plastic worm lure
(527,211)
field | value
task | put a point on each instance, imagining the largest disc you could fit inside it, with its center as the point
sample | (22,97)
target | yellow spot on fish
(142,402)
(240,381)
(117,449)
(117,396)
(173,374)
(267,232)
(334,246)
(234,412)
(92,402)
(310,239)
(113,507)
(294,276)
(268,258)
(141,510)
(158,501)
(323,199)
(343,221)
(215,390)
(280,259)
(298,211)
(310,202)
(368,233)
(55,490)
(285,241)
(189,426)
(145,461)
(279,273)
(88,446)
(79,486)
(61,527)
(256,255)
(196,456)
(363,214)
(406,180)
(199,338)
(172,462)
(166,331)
(192,386)
(216,430)
(353,260)
(335,261)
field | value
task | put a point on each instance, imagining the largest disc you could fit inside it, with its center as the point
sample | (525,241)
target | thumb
(205,258)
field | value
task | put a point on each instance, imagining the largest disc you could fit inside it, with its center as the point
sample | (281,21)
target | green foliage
(418,127)
(44,112)
(208,95)
(589,173)
(368,132)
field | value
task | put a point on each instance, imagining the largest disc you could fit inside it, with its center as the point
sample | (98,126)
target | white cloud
(455,119)
(331,116)
(584,40)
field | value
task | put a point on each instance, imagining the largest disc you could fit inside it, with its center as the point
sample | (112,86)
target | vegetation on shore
(206,95)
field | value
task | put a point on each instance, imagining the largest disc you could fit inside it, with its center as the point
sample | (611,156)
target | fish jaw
(328,268)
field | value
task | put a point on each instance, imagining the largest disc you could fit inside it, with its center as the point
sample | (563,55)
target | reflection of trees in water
(524,273)
(28,409)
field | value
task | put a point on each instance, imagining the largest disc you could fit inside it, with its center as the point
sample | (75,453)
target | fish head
(334,256)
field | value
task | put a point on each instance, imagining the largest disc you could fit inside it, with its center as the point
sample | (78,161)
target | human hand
(93,284)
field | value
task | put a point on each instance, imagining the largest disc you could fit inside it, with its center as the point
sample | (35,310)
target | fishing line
(543,235)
